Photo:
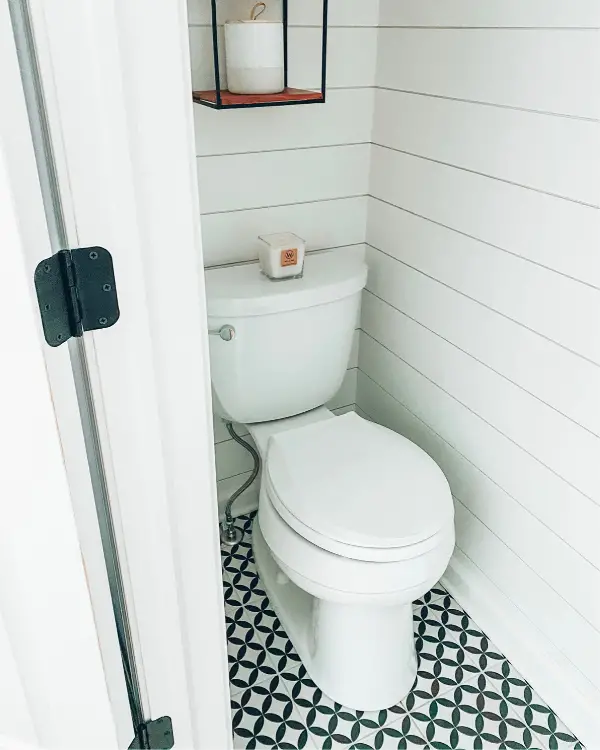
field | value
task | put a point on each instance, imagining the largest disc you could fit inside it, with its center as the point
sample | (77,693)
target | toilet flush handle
(226,332)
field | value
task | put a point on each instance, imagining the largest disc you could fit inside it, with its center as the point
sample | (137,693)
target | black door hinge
(154,735)
(76,292)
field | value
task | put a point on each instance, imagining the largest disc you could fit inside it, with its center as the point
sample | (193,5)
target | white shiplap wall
(481,324)
(303,169)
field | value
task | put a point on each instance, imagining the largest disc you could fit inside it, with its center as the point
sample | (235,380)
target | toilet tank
(292,339)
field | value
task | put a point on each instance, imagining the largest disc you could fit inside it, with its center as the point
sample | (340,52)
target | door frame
(53,686)
(53,680)
(116,79)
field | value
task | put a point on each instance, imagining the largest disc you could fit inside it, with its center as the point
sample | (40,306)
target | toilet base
(360,655)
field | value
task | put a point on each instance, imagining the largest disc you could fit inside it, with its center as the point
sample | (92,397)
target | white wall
(303,169)
(480,325)
(461,142)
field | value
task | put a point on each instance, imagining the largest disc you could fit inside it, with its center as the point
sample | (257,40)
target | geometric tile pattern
(466,694)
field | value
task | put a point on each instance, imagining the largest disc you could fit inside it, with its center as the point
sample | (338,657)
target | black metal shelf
(219,98)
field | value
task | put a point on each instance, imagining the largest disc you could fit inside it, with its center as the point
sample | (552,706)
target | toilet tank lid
(358,483)
(243,290)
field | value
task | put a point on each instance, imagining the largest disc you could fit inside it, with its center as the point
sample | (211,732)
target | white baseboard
(559,683)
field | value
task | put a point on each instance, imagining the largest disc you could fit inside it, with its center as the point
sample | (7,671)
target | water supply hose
(229,534)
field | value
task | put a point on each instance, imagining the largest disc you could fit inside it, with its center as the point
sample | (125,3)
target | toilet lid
(357,483)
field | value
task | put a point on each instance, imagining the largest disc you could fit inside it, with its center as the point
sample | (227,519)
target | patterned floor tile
(238,562)
(248,660)
(264,716)
(265,620)
(463,630)
(402,735)
(329,724)
(279,647)
(469,717)
(526,706)
(466,694)
(227,587)
(434,593)
(245,591)
(443,662)
(552,732)
(500,677)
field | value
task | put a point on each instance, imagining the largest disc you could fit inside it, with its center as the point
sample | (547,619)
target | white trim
(563,687)
(163,138)
(121,119)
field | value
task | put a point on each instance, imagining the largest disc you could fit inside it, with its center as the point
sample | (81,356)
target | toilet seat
(357,489)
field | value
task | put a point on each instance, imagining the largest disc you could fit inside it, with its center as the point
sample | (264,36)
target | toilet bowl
(354,520)
(342,582)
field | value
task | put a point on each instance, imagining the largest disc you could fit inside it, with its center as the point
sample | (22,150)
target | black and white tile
(466,695)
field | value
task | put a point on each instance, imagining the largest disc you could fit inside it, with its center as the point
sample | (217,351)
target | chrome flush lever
(227,332)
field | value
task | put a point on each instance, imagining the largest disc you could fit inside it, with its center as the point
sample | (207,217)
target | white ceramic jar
(254,57)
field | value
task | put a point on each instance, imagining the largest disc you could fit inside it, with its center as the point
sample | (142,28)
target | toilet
(355,522)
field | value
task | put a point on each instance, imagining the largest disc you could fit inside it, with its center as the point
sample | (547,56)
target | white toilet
(354,521)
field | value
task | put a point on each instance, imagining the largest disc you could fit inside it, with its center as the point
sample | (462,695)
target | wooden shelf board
(240,100)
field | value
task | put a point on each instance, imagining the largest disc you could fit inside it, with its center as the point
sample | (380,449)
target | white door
(111,123)
(53,691)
